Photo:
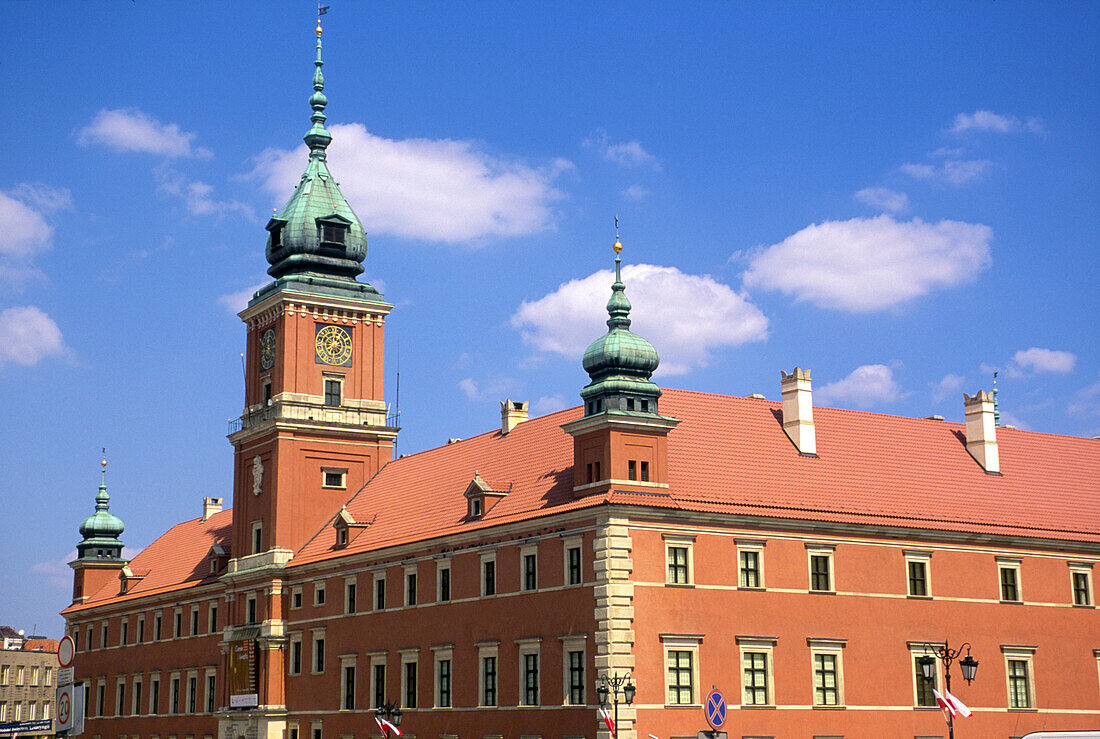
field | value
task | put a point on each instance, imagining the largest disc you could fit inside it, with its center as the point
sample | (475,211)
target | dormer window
(332,233)
(276,238)
(475,508)
(342,536)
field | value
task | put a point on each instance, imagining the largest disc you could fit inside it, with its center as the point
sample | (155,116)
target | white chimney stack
(798,411)
(981,430)
(512,413)
(210,506)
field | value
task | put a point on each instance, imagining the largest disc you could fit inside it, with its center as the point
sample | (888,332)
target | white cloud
(686,317)
(433,189)
(27,336)
(196,195)
(129,129)
(1086,401)
(626,153)
(949,384)
(1042,361)
(636,193)
(956,172)
(43,197)
(884,199)
(24,231)
(1008,419)
(986,121)
(867,264)
(548,404)
(237,301)
(495,388)
(57,571)
(868,385)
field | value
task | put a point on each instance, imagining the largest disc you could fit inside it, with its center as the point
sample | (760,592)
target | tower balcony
(312,411)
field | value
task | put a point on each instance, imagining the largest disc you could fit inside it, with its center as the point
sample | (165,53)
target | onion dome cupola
(620,362)
(101,529)
(316,241)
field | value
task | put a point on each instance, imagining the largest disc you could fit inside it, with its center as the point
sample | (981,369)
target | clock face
(333,346)
(267,349)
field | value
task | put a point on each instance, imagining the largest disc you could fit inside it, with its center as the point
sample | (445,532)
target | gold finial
(618,245)
(104,462)
(319,31)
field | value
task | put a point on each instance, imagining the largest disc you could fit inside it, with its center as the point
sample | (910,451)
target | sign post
(714,709)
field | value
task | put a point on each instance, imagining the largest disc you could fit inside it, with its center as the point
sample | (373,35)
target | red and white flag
(951,704)
(610,723)
(387,726)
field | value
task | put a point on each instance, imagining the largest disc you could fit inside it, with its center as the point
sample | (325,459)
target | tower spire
(100,531)
(318,137)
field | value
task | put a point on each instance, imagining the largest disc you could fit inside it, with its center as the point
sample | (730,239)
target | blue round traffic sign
(715,709)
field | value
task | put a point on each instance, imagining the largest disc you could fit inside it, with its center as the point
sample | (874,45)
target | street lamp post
(611,686)
(968,665)
(390,713)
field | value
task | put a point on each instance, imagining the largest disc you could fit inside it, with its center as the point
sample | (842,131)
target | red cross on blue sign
(714,707)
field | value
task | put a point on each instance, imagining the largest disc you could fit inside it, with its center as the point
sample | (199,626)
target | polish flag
(610,723)
(388,727)
(951,704)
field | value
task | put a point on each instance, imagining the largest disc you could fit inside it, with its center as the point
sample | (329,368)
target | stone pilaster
(614,595)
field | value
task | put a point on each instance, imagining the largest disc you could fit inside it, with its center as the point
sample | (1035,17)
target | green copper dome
(316,240)
(620,362)
(101,529)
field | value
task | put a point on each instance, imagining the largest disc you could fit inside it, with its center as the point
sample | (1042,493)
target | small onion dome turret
(101,529)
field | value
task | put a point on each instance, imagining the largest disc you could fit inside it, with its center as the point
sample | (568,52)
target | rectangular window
(296,598)
(335,479)
(318,653)
(410,589)
(5,672)
(489,681)
(1019,685)
(174,689)
(349,597)
(444,680)
(250,605)
(332,392)
(644,473)
(531,679)
(678,565)
(195,621)
(136,709)
(573,555)
(154,696)
(102,641)
(124,639)
(101,699)
(295,655)
(755,665)
(489,578)
(192,693)
(530,571)
(121,695)
(48,676)
(576,677)
(333,234)
(380,593)
(349,688)
(213,618)
(750,568)
(379,684)
(444,583)
(34,675)
(1010,583)
(918,578)
(211,693)
(410,684)
(141,629)
(826,684)
(632,470)
(318,593)
(1081,583)
(257,537)
(156,628)
(680,687)
(820,579)
(925,697)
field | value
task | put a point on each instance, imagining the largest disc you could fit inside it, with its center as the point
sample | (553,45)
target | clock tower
(314,426)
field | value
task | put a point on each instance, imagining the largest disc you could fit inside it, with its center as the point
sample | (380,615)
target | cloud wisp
(1038,361)
(957,172)
(884,199)
(25,231)
(986,121)
(870,264)
(27,336)
(131,130)
(431,189)
(949,384)
(625,153)
(868,385)
(686,317)
(197,196)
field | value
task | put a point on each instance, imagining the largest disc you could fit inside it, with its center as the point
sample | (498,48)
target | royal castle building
(802,560)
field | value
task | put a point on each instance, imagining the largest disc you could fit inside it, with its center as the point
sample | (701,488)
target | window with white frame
(1009,571)
(212,619)
(678,559)
(918,567)
(489,574)
(681,668)
(923,687)
(410,662)
(528,671)
(487,654)
(756,670)
(378,679)
(821,567)
(1080,580)
(529,567)
(135,708)
(347,682)
(294,655)
(574,662)
(257,537)
(380,591)
(443,657)
(827,671)
(333,477)
(410,585)
(211,690)
(443,580)
(1020,680)
(154,694)
(574,574)
(296,597)
(334,388)
(349,595)
(750,563)
(120,695)
(319,593)
(318,661)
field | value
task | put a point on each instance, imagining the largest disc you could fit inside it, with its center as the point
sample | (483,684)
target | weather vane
(618,245)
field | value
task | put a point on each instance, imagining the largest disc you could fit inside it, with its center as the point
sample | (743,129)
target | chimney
(981,430)
(512,413)
(210,506)
(798,412)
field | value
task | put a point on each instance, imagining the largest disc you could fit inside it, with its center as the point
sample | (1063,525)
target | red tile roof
(728,455)
(40,645)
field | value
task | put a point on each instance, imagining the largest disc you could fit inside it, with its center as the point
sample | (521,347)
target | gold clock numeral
(333,345)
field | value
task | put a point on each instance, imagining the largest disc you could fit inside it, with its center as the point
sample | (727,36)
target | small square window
(334,478)
(332,233)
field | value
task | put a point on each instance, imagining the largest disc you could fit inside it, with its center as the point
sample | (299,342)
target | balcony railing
(291,410)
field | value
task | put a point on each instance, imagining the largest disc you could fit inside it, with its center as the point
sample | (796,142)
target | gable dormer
(347,528)
(218,557)
(332,234)
(481,497)
(127,579)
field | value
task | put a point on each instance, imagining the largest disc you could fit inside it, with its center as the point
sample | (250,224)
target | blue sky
(901,196)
